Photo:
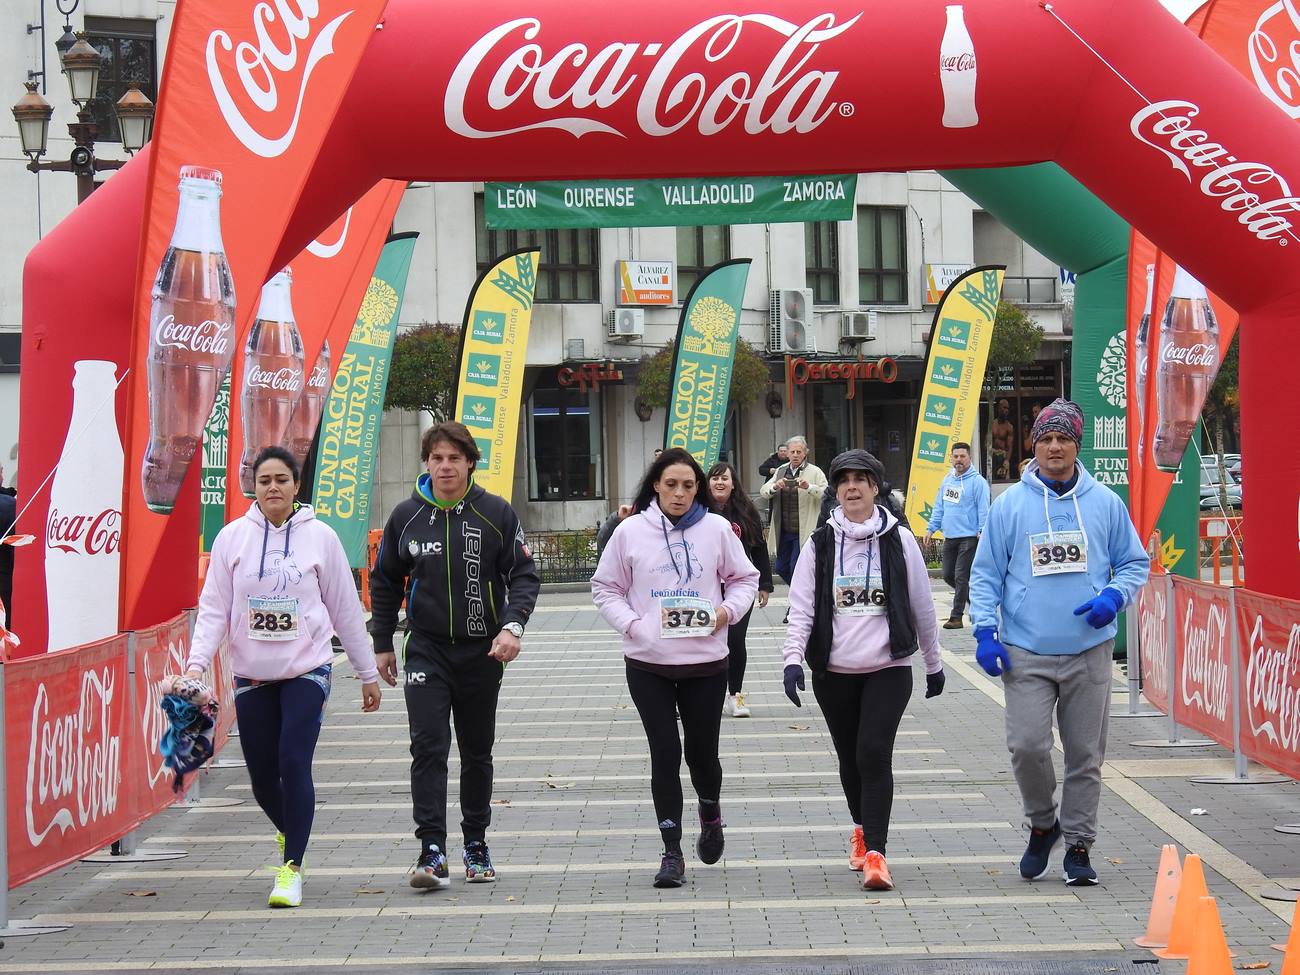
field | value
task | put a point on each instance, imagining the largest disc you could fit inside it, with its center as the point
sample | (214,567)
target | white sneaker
(739,708)
(728,706)
(287,891)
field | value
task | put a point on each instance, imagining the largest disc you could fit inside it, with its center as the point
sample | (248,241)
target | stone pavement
(576,846)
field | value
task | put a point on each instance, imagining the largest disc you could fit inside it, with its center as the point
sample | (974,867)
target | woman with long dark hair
(660,583)
(734,504)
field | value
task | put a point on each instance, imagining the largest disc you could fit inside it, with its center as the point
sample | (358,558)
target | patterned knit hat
(1060,416)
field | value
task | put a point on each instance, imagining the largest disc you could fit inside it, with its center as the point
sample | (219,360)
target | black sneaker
(711,841)
(1078,869)
(1034,864)
(430,871)
(478,863)
(672,871)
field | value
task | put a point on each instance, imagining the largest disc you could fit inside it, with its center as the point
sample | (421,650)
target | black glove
(934,684)
(793,679)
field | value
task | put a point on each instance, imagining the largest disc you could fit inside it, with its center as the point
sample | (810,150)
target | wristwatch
(514,629)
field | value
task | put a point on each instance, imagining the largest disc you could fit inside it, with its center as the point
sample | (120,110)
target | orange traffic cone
(1291,961)
(1161,919)
(1183,931)
(1210,955)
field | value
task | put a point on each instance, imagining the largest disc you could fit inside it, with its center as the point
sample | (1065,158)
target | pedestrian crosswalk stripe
(503,804)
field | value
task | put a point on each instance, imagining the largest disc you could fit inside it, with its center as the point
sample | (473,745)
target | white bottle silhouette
(957,72)
(83,529)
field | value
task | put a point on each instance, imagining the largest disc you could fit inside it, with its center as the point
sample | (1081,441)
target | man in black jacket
(457,555)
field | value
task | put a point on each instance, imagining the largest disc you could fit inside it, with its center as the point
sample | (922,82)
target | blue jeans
(787,554)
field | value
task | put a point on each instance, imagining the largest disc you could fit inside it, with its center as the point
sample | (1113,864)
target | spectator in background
(769,466)
(796,489)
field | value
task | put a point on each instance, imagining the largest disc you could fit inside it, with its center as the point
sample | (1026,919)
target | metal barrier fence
(564,556)
(1220,547)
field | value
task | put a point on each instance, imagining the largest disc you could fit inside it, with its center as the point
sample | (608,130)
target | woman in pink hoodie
(660,583)
(278,587)
(860,606)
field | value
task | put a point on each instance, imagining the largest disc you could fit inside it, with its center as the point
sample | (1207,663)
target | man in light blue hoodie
(1058,560)
(960,510)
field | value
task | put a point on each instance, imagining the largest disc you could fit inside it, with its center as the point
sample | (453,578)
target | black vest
(898,599)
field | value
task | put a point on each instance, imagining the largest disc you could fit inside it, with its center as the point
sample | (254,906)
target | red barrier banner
(1268,640)
(222,681)
(67,730)
(1153,641)
(159,651)
(1203,650)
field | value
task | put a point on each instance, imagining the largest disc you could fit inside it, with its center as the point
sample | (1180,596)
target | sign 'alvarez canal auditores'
(668,202)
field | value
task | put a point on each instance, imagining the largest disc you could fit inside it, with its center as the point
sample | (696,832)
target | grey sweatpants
(1077,689)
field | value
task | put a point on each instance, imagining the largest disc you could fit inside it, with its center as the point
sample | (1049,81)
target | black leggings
(862,712)
(699,702)
(279,722)
(737,655)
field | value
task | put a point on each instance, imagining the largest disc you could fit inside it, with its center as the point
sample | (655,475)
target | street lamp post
(81,64)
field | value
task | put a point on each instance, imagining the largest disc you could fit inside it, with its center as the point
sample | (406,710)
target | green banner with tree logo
(668,202)
(212,489)
(349,433)
(701,374)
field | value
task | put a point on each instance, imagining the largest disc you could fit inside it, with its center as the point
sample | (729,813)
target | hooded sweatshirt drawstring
(266,531)
(693,514)
(1078,514)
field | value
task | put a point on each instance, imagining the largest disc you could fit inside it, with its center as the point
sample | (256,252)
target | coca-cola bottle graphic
(302,427)
(1189,360)
(1143,353)
(191,336)
(83,530)
(273,365)
(957,72)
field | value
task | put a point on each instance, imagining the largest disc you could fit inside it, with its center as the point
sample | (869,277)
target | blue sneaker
(430,871)
(478,863)
(1034,864)
(1078,869)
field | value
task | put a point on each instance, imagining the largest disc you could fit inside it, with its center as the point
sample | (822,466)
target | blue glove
(991,654)
(934,684)
(793,679)
(1102,608)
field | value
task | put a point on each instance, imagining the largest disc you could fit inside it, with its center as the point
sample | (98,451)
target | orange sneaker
(857,849)
(875,873)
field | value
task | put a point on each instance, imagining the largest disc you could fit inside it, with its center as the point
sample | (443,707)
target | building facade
(850,377)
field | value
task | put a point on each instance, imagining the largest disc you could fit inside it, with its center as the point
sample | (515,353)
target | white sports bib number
(685,616)
(1051,553)
(272,618)
(859,596)
(952,495)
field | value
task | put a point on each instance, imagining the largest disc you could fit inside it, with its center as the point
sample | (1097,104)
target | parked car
(1210,494)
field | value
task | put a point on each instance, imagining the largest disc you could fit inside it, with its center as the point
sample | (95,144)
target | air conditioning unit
(790,326)
(858,326)
(626,324)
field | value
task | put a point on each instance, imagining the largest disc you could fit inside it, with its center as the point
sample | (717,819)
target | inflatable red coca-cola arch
(304,106)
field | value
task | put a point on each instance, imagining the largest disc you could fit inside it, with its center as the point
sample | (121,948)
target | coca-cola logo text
(208,337)
(1272,698)
(74,759)
(1206,675)
(1154,637)
(84,534)
(958,62)
(278,29)
(320,377)
(1280,82)
(284,379)
(573,84)
(1197,354)
(1237,185)
(326,251)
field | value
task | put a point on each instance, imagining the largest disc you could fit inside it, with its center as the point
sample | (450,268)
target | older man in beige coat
(796,490)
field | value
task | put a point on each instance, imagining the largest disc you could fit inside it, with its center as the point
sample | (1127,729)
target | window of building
(822,261)
(830,422)
(698,249)
(882,256)
(570,262)
(1018,396)
(129,51)
(565,460)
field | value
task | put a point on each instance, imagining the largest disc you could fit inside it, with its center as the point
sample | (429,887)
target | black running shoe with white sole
(478,863)
(430,872)
(672,871)
(1036,861)
(1078,870)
